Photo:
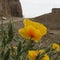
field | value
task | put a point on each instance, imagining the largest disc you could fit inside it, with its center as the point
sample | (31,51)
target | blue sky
(33,8)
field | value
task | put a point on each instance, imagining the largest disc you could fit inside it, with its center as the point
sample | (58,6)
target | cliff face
(10,8)
(51,20)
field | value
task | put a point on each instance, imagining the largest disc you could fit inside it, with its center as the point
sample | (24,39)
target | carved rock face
(10,8)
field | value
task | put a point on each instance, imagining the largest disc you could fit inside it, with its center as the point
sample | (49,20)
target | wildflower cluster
(21,46)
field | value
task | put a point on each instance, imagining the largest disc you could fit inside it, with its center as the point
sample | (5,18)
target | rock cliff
(10,8)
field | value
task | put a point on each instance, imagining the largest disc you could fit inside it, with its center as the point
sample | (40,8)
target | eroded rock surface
(10,8)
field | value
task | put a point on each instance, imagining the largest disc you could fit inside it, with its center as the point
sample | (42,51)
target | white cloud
(33,8)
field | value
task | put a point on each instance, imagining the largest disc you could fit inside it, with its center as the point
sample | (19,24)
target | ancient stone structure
(51,20)
(10,8)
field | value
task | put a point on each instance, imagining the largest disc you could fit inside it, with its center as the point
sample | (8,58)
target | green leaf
(5,38)
(19,48)
(10,31)
(48,49)
(7,55)
(3,33)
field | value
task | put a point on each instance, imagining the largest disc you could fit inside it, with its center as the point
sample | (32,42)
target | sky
(34,8)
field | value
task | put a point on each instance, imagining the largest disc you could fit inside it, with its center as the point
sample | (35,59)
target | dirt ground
(52,36)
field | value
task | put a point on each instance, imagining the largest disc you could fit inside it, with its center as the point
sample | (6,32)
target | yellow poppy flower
(32,54)
(56,47)
(30,32)
(37,25)
(15,47)
(41,51)
(45,57)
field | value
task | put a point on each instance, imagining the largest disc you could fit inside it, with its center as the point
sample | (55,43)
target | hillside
(51,20)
